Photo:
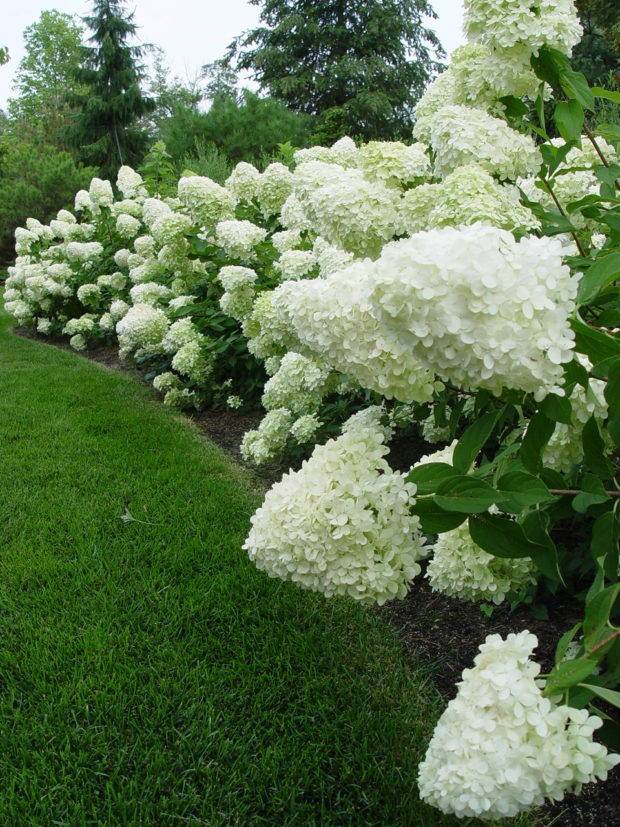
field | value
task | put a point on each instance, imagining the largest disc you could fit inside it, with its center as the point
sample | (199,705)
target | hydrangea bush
(463,289)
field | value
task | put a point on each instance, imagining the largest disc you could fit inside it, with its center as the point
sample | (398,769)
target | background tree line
(83,106)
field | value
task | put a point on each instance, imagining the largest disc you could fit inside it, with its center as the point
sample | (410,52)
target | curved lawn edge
(149,673)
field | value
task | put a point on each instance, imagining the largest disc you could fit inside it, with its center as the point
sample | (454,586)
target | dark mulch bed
(439,631)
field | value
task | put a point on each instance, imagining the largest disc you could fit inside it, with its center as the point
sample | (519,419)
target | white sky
(191,32)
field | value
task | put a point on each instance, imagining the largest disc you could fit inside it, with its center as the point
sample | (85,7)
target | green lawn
(148,673)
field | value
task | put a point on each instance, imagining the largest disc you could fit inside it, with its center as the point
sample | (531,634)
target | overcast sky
(191,32)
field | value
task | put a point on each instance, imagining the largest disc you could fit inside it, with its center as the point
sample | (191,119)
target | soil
(439,632)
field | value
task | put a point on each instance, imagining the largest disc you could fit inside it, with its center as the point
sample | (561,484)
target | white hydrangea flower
(101,194)
(89,294)
(118,308)
(78,342)
(299,384)
(369,418)
(180,333)
(82,201)
(304,428)
(243,181)
(44,326)
(341,524)
(81,252)
(130,183)
(270,439)
(127,226)
(107,323)
(273,188)
(439,93)
(333,317)
(121,258)
(153,209)
(500,747)
(505,23)
(344,152)
(149,293)
(192,361)
(179,397)
(286,240)
(84,325)
(268,335)
(66,216)
(471,194)
(460,568)
(394,163)
(144,245)
(206,201)
(431,432)
(114,281)
(417,205)
(479,308)
(127,207)
(296,264)
(170,227)
(181,301)
(142,326)
(165,382)
(330,258)
(564,451)
(238,238)
(293,216)
(460,135)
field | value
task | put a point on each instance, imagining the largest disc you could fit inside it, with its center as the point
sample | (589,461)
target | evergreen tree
(598,53)
(107,127)
(359,66)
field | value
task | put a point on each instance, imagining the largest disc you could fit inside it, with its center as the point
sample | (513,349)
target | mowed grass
(149,674)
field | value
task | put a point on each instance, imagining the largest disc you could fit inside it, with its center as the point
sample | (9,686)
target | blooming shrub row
(465,285)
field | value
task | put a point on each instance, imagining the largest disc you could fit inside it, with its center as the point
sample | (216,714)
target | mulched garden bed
(438,631)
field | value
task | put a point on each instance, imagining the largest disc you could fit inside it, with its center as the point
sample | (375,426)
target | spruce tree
(359,66)
(107,127)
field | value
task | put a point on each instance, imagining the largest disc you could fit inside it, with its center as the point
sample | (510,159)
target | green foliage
(158,172)
(111,103)
(4,55)
(359,66)
(36,179)
(242,130)
(207,160)
(46,73)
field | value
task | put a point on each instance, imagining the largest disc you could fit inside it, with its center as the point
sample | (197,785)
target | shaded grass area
(148,672)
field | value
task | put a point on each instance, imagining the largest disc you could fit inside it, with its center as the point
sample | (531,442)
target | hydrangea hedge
(466,286)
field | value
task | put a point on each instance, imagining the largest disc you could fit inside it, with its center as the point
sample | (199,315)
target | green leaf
(567,674)
(609,695)
(576,87)
(608,176)
(609,131)
(428,477)
(594,343)
(598,610)
(612,389)
(603,272)
(467,495)
(538,434)
(604,368)
(548,65)
(594,450)
(593,493)
(563,642)
(544,553)
(556,408)
(515,108)
(435,520)
(472,441)
(568,117)
(524,489)
(575,374)
(599,92)
(499,536)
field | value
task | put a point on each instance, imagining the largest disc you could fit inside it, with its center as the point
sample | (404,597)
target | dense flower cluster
(333,318)
(207,202)
(238,238)
(460,568)
(142,326)
(341,524)
(479,308)
(460,135)
(299,384)
(501,747)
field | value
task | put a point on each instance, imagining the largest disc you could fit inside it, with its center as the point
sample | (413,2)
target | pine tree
(359,66)
(107,127)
